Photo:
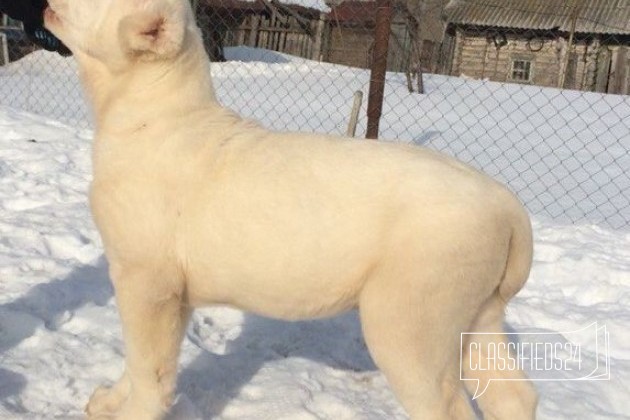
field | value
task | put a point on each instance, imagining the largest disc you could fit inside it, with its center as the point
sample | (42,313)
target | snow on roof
(312,4)
(319,5)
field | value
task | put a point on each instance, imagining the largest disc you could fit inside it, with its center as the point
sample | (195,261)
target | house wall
(352,45)
(477,56)
(619,73)
(277,33)
(591,65)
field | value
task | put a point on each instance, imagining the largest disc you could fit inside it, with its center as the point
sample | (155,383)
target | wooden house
(269,24)
(576,44)
(344,34)
(14,44)
(351,25)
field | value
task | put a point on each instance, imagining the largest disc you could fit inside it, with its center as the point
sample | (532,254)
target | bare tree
(414,68)
(426,29)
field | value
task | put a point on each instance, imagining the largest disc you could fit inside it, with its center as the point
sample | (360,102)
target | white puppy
(197,206)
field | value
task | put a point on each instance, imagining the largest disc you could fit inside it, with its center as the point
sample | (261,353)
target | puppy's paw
(104,403)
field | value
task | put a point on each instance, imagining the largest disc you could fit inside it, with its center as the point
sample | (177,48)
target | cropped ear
(152,35)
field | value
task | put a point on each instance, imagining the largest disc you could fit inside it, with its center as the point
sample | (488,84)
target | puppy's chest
(135,213)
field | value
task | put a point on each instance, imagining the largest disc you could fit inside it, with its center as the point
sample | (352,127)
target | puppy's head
(118,32)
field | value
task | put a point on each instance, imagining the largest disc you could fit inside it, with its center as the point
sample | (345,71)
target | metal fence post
(379,66)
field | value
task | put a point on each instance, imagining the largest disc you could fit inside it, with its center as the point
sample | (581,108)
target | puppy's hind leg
(512,397)
(416,353)
(154,321)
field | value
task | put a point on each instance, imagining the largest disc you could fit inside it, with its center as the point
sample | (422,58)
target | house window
(521,70)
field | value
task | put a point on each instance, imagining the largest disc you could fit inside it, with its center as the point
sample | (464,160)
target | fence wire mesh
(532,92)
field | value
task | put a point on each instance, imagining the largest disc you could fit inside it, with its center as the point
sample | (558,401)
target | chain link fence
(533,92)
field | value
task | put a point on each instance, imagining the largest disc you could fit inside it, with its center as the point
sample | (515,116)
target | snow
(313,4)
(60,333)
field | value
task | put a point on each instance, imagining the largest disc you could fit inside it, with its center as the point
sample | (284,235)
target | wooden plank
(570,72)
(602,70)
(613,75)
(253,34)
(354,114)
(620,83)
(625,79)
(4,50)
(319,38)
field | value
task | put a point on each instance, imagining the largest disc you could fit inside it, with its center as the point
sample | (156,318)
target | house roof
(594,16)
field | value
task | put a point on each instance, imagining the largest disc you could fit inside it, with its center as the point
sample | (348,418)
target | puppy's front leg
(154,320)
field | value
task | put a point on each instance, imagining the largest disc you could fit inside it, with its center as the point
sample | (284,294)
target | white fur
(198,206)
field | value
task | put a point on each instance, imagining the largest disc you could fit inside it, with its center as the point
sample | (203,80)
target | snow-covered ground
(59,330)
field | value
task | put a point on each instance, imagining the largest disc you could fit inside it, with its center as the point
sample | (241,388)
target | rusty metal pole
(379,66)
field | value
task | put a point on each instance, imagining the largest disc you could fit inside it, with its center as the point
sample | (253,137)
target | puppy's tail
(520,252)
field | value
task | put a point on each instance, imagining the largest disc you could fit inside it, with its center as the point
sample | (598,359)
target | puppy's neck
(149,89)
